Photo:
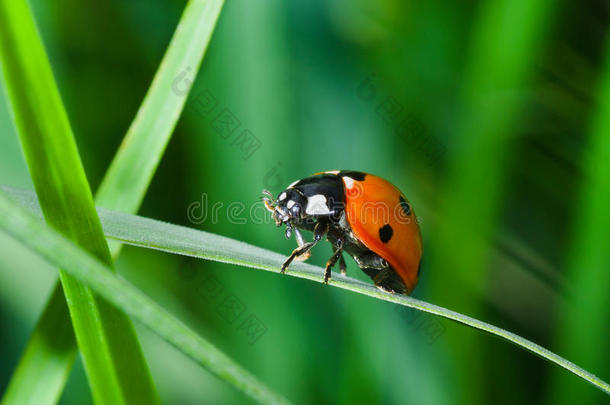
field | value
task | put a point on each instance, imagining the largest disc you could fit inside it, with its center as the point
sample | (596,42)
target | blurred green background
(376,86)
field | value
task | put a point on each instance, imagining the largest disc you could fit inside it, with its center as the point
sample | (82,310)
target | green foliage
(491,116)
(116,368)
(121,294)
(501,59)
(128,177)
(586,312)
(123,188)
(152,234)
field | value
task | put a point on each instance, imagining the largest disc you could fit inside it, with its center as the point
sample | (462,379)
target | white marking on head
(282,196)
(290,204)
(316,205)
(293,183)
(333,172)
(349,182)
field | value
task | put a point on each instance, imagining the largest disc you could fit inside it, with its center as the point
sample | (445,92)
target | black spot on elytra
(358,176)
(405,206)
(385,233)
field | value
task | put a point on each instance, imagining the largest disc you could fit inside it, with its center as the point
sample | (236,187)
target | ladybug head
(289,206)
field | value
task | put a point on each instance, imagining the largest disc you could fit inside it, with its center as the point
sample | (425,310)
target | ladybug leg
(333,260)
(319,231)
(301,250)
(380,277)
(387,280)
(301,242)
(342,265)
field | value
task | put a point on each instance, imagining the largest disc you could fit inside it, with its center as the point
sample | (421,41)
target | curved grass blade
(112,356)
(30,231)
(158,235)
(123,188)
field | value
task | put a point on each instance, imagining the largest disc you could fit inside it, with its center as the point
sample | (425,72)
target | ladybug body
(360,214)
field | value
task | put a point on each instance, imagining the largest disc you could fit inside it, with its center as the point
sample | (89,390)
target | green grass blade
(158,235)
(505,41)
(46,363)
(505,38)
(32,232)
(585,317)
(131,171)
(112,356)
(123,188)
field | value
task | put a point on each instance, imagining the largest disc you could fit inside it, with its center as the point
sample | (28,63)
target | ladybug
(360,214)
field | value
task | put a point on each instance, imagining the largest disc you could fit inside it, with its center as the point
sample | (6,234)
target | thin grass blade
(113,360)
(152,234)
(123,188)
(585,317)
(505,38)
(34,234)
(125,183)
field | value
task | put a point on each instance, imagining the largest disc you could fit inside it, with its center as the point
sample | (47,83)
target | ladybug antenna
(268,200)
